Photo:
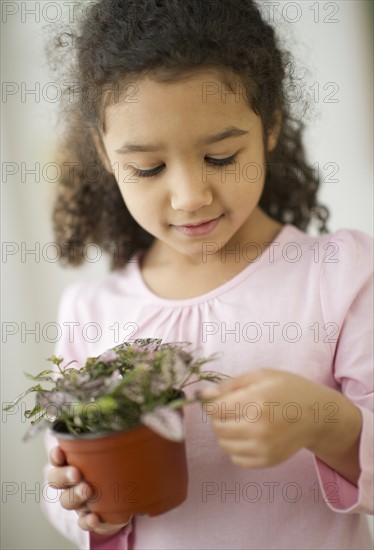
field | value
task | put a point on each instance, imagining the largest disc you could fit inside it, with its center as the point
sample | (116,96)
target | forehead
(198,96)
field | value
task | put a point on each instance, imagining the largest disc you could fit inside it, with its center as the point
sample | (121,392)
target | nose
(189,192)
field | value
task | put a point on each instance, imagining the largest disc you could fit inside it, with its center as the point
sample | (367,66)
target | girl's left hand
(263,417)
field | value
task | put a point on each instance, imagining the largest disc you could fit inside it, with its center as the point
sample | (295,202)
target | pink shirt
(304,306)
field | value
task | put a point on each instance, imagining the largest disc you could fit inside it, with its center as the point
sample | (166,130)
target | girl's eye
(148,173)
(155,171)
(221,162)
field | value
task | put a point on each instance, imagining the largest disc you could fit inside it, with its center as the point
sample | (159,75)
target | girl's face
(184,153)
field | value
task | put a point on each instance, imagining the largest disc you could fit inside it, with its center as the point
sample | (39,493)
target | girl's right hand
(77,493)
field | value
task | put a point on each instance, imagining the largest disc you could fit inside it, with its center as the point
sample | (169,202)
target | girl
(184,161)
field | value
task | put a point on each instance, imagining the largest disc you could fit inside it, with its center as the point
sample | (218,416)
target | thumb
(233,384)
(57,456)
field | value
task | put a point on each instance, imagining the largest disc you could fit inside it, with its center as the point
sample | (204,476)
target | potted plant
(119,420)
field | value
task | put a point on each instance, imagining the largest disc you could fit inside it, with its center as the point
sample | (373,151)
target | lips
(198,229)
(197,223)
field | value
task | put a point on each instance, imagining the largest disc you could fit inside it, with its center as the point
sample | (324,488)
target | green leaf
(33,412)
(34,388)
(56,360)
(107,403)
(178,403)
(42,376)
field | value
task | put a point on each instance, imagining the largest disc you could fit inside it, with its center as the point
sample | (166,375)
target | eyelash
(156,171)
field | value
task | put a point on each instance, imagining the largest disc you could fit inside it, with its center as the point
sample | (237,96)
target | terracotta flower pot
(132,472)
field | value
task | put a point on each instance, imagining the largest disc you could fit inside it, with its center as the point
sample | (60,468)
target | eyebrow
(229,132)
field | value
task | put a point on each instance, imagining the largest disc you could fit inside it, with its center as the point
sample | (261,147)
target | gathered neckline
(221,289)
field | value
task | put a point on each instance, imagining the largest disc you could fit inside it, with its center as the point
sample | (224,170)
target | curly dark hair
(123,40)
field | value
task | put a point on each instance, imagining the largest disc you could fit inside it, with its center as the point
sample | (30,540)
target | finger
(238,446)
(88,521)
(92,522)
(249,462)
(242,403)
(76,496)
(63,477)
(84,510)
(235,383)
(57,456)
(224,407)
(231,430)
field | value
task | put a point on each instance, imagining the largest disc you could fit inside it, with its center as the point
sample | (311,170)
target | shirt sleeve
(71,346)
(347,298)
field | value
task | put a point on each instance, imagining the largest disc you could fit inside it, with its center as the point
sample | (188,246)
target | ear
(100,149)
(273,135)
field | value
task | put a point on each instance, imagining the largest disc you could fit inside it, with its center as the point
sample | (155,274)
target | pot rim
(92,435)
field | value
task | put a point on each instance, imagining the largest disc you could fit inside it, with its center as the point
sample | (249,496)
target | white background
(337,52)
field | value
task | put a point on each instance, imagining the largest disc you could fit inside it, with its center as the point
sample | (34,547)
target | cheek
(253,170)
(252,178)
(138,202)
(247,177)
(249,187)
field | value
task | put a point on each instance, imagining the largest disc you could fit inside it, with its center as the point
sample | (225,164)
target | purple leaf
(108,356)
(35,429)
(165,422)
